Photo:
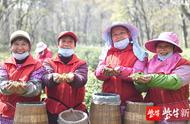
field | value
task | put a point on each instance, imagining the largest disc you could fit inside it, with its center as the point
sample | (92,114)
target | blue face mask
(66,52)
(122,44)
(164,57)
(21,56)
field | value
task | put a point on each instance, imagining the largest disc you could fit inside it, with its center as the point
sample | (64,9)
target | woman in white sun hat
(168,73)
(123,57)
(42,51)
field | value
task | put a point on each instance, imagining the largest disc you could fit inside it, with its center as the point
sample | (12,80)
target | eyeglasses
(120,34)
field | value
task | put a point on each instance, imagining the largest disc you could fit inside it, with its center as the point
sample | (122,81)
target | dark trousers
(52,118)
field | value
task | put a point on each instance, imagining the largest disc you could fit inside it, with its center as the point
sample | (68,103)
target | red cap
(68,33)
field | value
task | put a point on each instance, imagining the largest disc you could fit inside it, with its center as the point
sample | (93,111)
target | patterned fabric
(5,120)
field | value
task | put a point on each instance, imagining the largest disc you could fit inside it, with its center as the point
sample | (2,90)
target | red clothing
(47,54)
(168,96)
(63,96)
(124,87)
(8,102)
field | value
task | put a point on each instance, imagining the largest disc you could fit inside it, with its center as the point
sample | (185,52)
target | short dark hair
(21,38)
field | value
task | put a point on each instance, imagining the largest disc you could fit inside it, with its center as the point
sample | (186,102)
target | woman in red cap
(66,79)
(20,77)
(168,75)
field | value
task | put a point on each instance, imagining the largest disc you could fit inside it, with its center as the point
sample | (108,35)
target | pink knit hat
(169,37)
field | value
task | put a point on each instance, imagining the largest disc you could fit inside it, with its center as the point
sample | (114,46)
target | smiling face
(20,45)
(163,48)
(66,42)
(119,33)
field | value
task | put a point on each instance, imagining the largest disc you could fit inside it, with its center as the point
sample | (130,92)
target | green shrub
(90,54)
(93,86)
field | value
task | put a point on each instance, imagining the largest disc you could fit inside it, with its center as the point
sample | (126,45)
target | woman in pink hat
(123,57)
(168,73)
(66,78)
(42,51)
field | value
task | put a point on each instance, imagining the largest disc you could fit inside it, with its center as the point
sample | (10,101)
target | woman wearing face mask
(123,57)
(168,73)
(20,77)
(66,79)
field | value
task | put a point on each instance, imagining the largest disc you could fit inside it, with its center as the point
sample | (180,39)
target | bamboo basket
(136,113)
(105,109)
(31,113)
(72,117)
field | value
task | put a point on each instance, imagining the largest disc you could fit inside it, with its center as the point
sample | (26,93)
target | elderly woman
(20,77)
(168,74)
(123,57)
(66,78)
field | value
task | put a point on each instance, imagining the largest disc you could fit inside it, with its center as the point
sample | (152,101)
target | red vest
(161,96)
(63,96)
(8,102)
(125,89)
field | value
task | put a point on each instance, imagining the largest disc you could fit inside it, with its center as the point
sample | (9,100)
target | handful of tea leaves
(135,76)
(17,84)
(67,77)
(110,71)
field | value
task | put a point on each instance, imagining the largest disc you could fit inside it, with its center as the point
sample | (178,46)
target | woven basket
(73,117)
(30,113)
(136,113)
(105,109)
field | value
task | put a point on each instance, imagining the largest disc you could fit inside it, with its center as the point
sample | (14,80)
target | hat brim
(132,29)
(20,33)
(151,45)
(38,50)
(68,34)
(106,35)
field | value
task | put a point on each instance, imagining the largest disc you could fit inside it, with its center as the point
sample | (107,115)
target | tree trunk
(184,28)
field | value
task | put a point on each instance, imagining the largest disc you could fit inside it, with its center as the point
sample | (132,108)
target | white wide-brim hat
(107,32)
(41,46)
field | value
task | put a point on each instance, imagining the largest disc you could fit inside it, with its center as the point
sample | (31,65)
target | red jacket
(8,102)
(63,96)
(168,96)
(125,88)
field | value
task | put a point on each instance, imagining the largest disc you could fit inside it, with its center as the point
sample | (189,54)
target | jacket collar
(73,60)
(29,61)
